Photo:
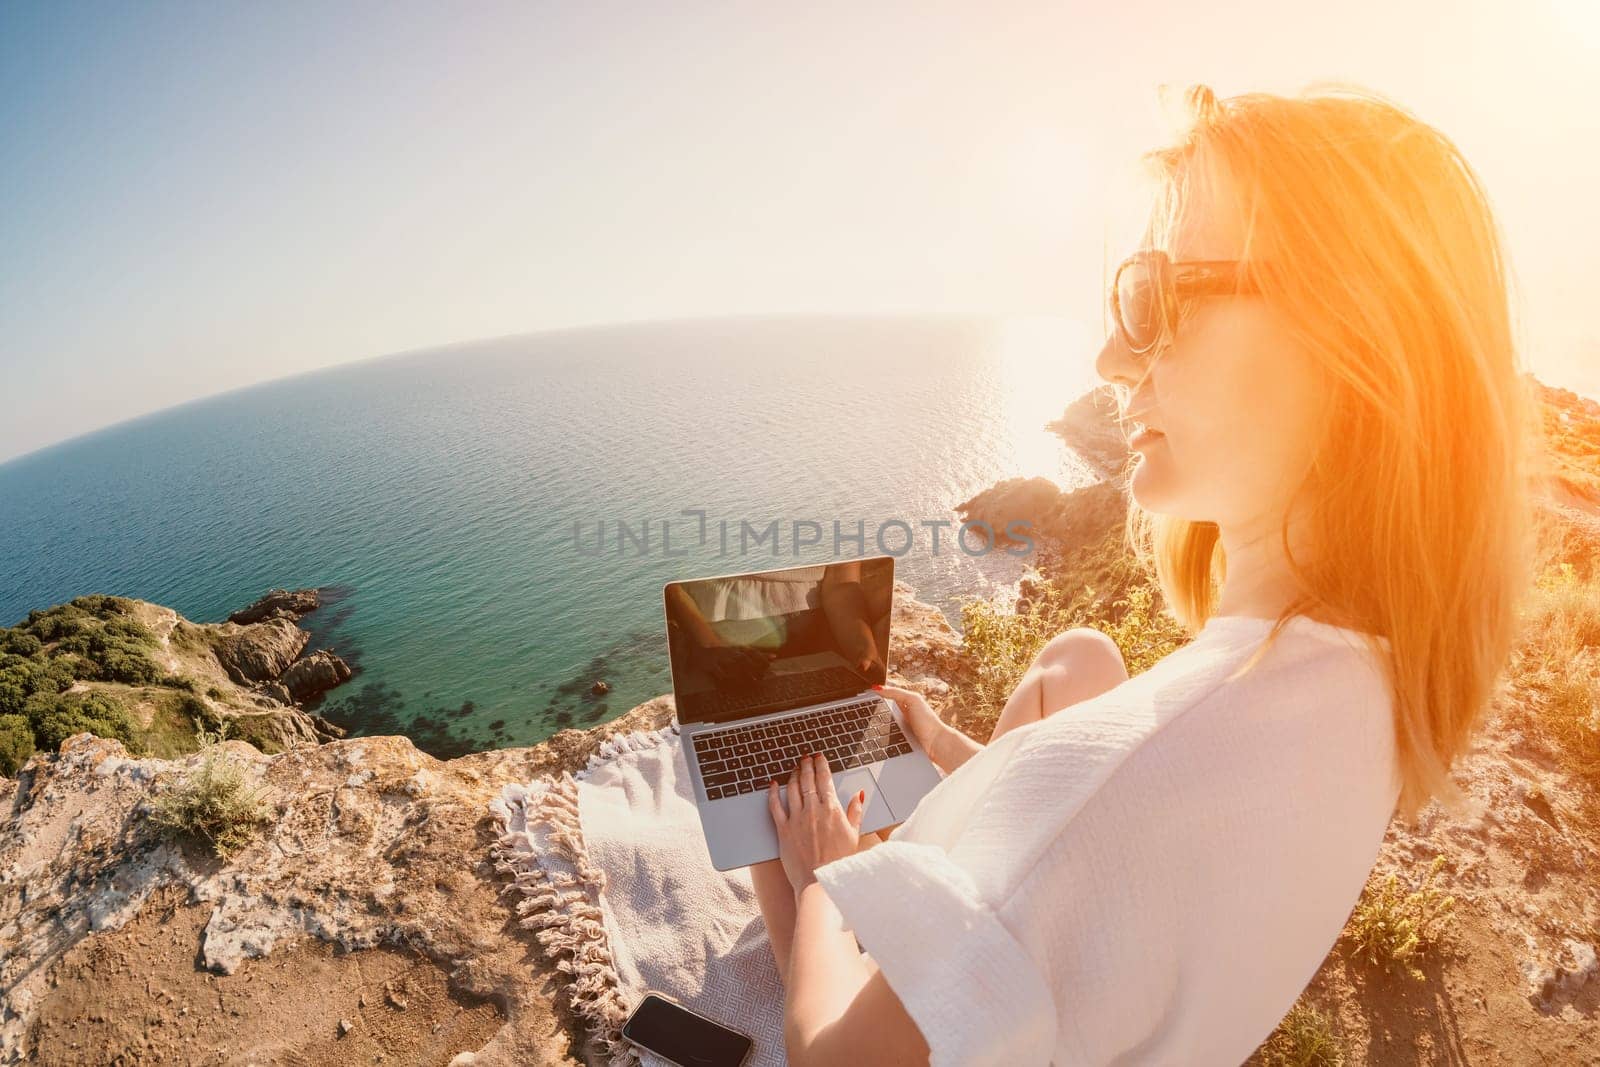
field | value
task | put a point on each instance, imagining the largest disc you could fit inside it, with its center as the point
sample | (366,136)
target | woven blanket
(609,868)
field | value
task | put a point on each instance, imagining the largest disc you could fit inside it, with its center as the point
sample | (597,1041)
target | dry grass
(1392,927)
(213,803)
(1556,668)
(1304,1038)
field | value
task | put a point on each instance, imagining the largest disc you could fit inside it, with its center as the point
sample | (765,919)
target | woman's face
(1233,397)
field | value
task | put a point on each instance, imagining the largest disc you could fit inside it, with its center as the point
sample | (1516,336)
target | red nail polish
(861,794)
(877,687)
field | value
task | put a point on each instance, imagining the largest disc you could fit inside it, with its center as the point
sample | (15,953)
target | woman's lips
(1145,437)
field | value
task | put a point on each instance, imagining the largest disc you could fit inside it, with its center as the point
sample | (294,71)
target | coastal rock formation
(258,652)
(258,668)
(314,675)
(279,603)
(1090,429)
(165,677)
(1015,500)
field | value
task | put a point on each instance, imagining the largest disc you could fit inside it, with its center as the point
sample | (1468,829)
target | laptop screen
(749,644)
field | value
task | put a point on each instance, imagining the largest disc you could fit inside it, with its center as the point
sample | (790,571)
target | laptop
(768,666)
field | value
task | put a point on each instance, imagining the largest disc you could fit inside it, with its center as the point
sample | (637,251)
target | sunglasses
(1147,288)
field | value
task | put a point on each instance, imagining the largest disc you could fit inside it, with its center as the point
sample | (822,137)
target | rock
(278,604)
(327,731)
(275,730)
(600,688)
(373,843)
(345,1026)
(1573,965)
(1090,429)
(923,648)
(259,652)
(1015,500)
(277,692)
(314,675)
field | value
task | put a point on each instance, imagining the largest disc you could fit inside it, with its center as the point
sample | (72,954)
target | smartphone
(661,1025)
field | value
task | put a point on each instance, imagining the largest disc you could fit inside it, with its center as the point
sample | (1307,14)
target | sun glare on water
(1044,364)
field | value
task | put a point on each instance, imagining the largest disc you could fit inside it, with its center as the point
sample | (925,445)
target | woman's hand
(923,722)
(813,829)
(946,746)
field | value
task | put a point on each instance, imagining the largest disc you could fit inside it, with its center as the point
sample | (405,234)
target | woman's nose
(1115,363)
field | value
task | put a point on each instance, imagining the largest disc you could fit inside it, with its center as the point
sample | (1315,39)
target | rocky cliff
(365,924)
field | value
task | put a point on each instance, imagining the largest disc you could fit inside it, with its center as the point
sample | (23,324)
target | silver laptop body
(770,665)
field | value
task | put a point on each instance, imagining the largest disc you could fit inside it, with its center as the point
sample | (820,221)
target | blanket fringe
(633,741)
(563,909)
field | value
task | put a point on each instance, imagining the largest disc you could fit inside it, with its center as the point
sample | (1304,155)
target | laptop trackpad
(875,815)
(903,782)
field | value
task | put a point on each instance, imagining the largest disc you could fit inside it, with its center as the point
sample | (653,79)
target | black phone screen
(684,1037)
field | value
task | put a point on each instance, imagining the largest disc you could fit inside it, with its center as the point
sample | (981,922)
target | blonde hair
(1371,234)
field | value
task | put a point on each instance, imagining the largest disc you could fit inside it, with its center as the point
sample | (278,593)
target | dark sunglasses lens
(1139,304)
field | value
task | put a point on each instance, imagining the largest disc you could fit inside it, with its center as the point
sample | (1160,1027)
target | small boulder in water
(600,688)
(315,675)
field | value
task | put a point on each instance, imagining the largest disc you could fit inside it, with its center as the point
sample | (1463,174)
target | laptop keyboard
(780,687)
(742,759)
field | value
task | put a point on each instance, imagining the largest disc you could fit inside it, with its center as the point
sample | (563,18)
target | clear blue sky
(196,197)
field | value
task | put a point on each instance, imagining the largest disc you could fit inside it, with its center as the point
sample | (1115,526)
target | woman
(1314,344)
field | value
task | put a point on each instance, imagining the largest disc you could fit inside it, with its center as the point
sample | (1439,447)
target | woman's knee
(1086,654)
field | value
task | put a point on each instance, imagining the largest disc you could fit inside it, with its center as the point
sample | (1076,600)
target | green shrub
(1392,927)
(20,643)
(16,743)
(57,623)
(102,606)
(54,717)
(114,652)
(195,710)
(213,802)
(77,616)
(129,666)
(22,678)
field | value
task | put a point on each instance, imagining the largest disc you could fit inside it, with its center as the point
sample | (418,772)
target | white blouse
(1151,876)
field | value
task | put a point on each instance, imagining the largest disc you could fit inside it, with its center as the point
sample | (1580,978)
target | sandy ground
(136,996)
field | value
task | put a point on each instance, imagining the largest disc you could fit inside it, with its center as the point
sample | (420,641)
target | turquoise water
(435,494)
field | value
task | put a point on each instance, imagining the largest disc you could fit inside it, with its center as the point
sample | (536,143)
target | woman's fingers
(775,803)
(827,796)
(795,801)
(808,781)
(894,692)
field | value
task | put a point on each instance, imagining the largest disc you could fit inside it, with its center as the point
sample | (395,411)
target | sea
(492,522)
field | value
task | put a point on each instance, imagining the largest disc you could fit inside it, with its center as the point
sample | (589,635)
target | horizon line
(583,327)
